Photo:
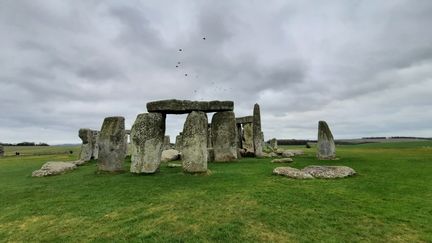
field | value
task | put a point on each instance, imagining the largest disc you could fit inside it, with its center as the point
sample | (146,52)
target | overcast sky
(363,66)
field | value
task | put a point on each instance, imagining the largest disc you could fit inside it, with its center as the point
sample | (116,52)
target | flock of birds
(178,63)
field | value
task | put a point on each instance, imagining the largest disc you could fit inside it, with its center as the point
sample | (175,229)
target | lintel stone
(174,106)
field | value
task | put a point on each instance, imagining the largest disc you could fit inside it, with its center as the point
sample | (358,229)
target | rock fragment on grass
(291,173)
(284,160)
(329,172)
(54,168)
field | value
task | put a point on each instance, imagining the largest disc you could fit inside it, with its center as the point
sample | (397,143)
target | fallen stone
(170,155)
(295,151)
(224,136)
(147,135)
(111,144)
(173,165)
(79,162)
(326,148)
(291,173)
(54,168)
(286,154)
(194,151)
(329,172)
(186,106)
(284,160)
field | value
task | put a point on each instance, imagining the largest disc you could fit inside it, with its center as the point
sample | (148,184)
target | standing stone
(224,136)
(178,142)
(194,153)
(167,142)
(257,133)
(273,144)
(1,150)
(326,148)
(111,144)
(239,136)
(95,141)
(86,136)
(248,138)
(147,137)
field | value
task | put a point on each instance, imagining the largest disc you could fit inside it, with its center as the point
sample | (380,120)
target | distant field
(388,201)
(40,150)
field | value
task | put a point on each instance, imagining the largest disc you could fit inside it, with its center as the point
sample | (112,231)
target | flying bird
(204,38)
(180,49)
(185,74)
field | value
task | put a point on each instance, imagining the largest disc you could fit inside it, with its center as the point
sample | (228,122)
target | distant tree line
(396,137)
(293,141)
(25,144)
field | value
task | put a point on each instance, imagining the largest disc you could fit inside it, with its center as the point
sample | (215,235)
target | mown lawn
(390,200)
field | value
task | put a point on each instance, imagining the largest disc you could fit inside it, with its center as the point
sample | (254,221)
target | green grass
(390,200)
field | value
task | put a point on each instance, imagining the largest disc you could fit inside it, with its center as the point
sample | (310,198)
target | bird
(185,74)
(180,49)
(178,62)
(204,38)
(176,66)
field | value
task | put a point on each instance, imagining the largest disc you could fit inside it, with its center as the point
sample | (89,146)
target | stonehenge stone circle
(257,133)
(194,151)
(186,106)
(87,145)
(326,148)
(224,136)
(147,137)
(111,144)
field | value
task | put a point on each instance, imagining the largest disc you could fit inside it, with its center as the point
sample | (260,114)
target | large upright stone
(326,148)
(257,133)
(167,142)
(87,145)
(248,138)
(111,144)
(224,136)
(147,137)
(1,150)
(194,152)
(95,141)
(178,142)
(273,144)
(187,106)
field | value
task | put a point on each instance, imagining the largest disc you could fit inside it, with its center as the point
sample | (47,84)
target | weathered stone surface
(244,119)
(224,136)
(1,151)
(126,144)
(284,160)
(187,106)
(86,136)
(326,148)
(147,135)
(329,172)
(294,151)
(78,162)
(287,154)
(257,133)
(239,135)
(167,142)
(248,138)
(273,144)
(269,155)
(54,168)
(291,173)
(95,142)
(178,142)
(210,155)
(209,136)
(194,152)
(170,155)
(111,144)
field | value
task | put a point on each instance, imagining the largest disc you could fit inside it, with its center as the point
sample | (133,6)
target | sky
(365,67)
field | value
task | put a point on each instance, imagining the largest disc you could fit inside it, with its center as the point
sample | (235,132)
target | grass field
(390,200)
